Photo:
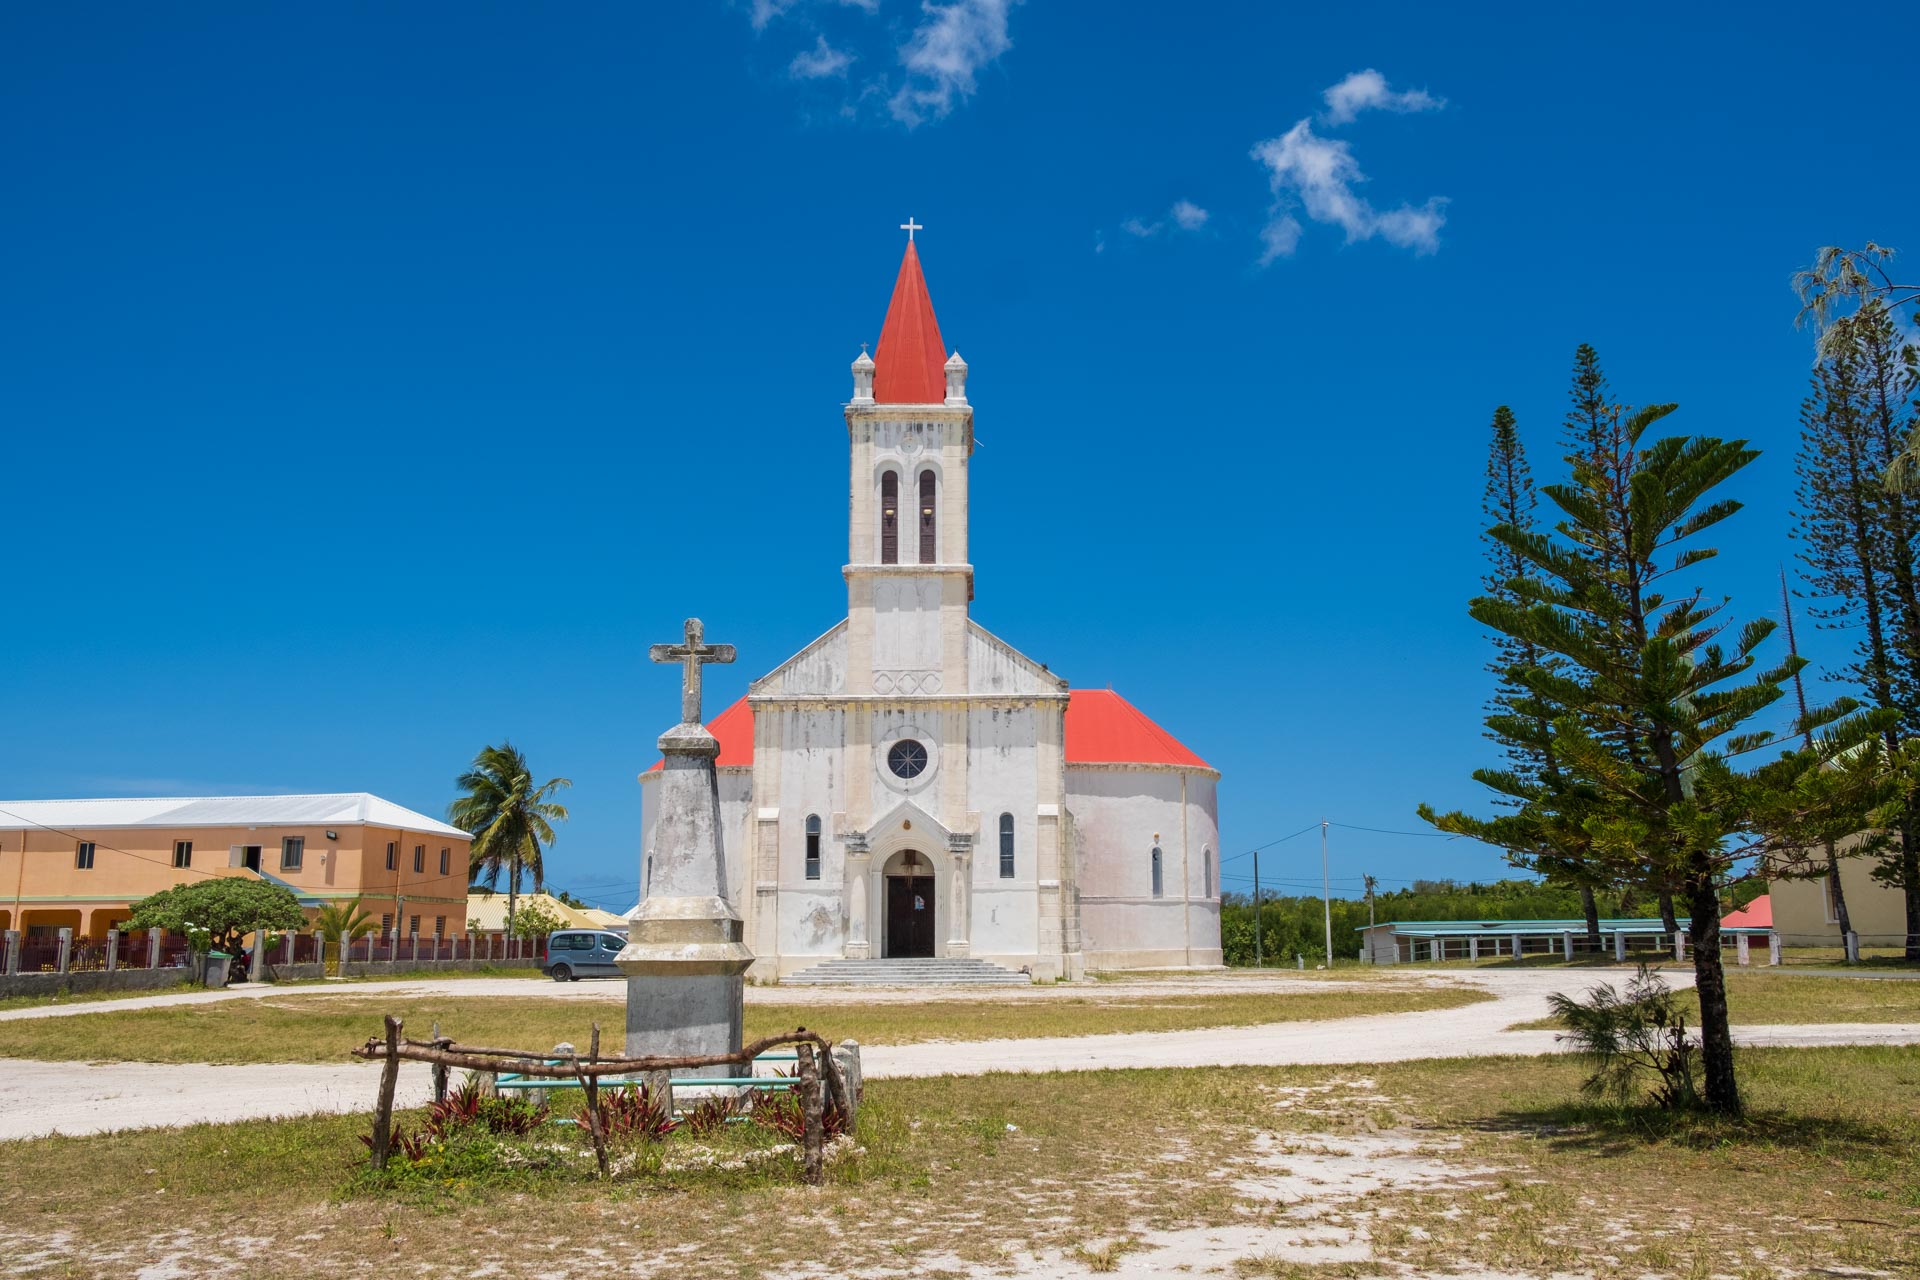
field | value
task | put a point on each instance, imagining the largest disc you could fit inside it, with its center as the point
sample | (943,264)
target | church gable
(818,669)
(994,666)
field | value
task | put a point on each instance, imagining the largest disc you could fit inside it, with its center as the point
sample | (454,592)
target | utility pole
(1259,959)
(1371,884)
(1326,892)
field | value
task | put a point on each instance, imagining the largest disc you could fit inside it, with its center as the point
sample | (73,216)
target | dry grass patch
(1434,1167)
(1781,999)
(315,1028)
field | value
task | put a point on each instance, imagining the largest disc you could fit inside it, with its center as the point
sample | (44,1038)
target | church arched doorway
(910,899)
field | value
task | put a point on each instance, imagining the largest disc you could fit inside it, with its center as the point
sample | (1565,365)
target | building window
(907,759)
(890,518)
(439,926)
(445,855)
(813,846)
(419,859)
(386,923)
(393,856)
(413,926)
(83,856)
(926,517)
(1006,846)
(1159,883)
(293,852)
(1826,900)
(183,853)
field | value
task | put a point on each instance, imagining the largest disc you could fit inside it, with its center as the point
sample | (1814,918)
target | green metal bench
(770,1083)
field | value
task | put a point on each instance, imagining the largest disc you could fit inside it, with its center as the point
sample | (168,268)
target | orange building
(79,864)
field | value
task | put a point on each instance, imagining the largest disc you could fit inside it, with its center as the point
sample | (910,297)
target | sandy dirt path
(38,1098)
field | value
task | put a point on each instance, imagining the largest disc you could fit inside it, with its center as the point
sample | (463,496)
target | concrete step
(917,972)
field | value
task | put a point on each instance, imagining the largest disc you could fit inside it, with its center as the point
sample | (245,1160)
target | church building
(910,784)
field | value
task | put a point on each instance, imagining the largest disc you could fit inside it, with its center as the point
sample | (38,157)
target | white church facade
(910,784)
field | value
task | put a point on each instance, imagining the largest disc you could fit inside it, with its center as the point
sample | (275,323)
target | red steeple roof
(910,365)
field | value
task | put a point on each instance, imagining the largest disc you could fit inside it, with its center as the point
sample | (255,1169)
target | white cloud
(762,12)
(819,62)
(1368,91)
(1318,176)
(1279,238)
(1184,216)
(951,44)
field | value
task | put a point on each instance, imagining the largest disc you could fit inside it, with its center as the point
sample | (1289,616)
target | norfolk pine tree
(1517,718)
(1654,705)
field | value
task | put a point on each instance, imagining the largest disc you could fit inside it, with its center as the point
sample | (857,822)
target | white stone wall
(1003,777)
(813,762)
(1118,810)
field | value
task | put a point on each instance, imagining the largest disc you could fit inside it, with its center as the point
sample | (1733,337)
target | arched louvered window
(890,518)
(1159,883)
(926,517)
(813,846)
(1206,871)
(1006,846)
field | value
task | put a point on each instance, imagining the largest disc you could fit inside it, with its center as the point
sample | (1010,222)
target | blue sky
(365,370)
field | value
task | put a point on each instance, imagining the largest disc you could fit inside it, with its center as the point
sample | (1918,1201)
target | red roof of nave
(1102,728)
(910,364)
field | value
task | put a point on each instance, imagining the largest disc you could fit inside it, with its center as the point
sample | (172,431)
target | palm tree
(346,920)
(508,817)
(342,925)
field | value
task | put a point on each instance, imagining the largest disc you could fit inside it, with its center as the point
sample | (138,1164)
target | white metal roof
(349,809)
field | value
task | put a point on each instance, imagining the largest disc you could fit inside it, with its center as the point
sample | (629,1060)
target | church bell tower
(910,437)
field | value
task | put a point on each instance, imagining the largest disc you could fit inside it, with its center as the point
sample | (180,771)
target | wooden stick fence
(815,1053)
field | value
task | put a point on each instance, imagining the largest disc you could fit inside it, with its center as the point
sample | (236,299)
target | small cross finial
(910,226)
(691,655)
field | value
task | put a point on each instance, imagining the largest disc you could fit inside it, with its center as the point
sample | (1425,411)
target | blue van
(573,954)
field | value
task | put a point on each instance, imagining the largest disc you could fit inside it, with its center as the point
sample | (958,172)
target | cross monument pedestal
(685,958)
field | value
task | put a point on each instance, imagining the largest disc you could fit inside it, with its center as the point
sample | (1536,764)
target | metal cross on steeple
(691,655)
(910,226)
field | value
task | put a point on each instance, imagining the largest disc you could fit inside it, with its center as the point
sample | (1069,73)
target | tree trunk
(1839,895)
(1710,982)
(1667,916)
(1592,910)
(513,894)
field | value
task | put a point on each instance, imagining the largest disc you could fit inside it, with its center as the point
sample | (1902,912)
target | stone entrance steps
(920,972)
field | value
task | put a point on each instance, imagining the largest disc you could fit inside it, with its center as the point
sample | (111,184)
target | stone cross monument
(684,957)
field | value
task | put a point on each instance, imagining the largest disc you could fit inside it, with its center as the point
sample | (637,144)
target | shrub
(1630,1035)
(457,1110)
(780,1112)
(709,1115)
(409,1146)
(511,1117)
(635,1112)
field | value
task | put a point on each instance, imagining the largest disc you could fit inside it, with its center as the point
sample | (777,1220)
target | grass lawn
(1774,999)
(312,1028)
(1485,1164)
(97,997)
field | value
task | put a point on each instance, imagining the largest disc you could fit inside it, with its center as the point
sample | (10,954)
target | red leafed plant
(709,1115)
(781,1113)
(411,1146)
(634,1112)
(513,1117)
(457,1110)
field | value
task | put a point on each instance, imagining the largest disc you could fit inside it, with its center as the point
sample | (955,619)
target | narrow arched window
(1006,846)
(1206,871)
(890,518)
(926,517)
(1159,884)
(813,846)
